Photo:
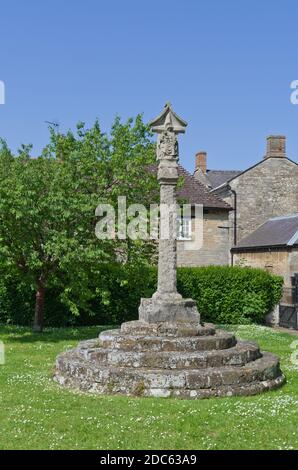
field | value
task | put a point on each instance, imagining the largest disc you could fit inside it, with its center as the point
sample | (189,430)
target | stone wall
(215,249)
(282,262)
(270,189)
(293,261)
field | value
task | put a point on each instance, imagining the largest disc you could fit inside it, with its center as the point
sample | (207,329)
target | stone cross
(167,125)
(167,304)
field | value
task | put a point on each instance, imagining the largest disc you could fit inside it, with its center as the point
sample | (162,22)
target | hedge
(231,295)
(223,294)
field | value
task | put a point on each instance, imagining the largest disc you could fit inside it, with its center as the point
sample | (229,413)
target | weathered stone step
(252,388)
(139,327)
(239,355)
(115,340)
(261,374)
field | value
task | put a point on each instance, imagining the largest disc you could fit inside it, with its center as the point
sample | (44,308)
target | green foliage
(223,294)
(47,208)
(231,295)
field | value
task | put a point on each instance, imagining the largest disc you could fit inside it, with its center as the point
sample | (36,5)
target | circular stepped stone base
(156,360)
(114,339)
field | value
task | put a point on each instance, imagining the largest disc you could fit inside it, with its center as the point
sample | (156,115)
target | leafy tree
(47,208)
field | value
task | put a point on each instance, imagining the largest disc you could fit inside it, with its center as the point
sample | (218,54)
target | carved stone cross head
(168,120)
(168,124)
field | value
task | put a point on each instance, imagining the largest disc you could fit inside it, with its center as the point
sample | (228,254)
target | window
(184,228)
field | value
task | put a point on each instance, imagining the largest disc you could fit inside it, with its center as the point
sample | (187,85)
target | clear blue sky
(226,66)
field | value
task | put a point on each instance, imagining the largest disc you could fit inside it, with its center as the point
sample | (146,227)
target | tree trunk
(39,308)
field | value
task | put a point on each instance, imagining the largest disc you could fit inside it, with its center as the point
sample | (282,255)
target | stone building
(215,226)
(273,246)
(266,190)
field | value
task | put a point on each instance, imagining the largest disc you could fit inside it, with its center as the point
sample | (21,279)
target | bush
(223,295)
(117,292)
(231,294)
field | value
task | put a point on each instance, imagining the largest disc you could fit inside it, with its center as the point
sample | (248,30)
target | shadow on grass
(51,335)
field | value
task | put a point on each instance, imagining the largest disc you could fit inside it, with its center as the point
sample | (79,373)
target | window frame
(184,235)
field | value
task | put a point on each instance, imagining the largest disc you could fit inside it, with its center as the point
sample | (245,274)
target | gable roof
(276,232)
(219,177)
(195,192)
(248,169)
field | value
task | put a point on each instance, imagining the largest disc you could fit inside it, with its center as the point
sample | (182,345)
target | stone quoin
(168,352)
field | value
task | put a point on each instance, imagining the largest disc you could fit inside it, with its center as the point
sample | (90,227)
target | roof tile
(196,193)
(277,232)
(219,177)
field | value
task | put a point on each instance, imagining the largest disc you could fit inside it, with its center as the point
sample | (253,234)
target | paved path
(290,331)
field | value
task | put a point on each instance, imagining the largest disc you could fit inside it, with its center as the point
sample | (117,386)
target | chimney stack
(276,146)
(201,162)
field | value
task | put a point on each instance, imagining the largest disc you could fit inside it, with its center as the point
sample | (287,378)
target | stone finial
(168,120)
(276,146)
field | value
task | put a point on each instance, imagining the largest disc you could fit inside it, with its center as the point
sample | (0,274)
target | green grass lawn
(36,413)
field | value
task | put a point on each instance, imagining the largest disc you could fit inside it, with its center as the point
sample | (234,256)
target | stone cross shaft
(167,157)
(166,304)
